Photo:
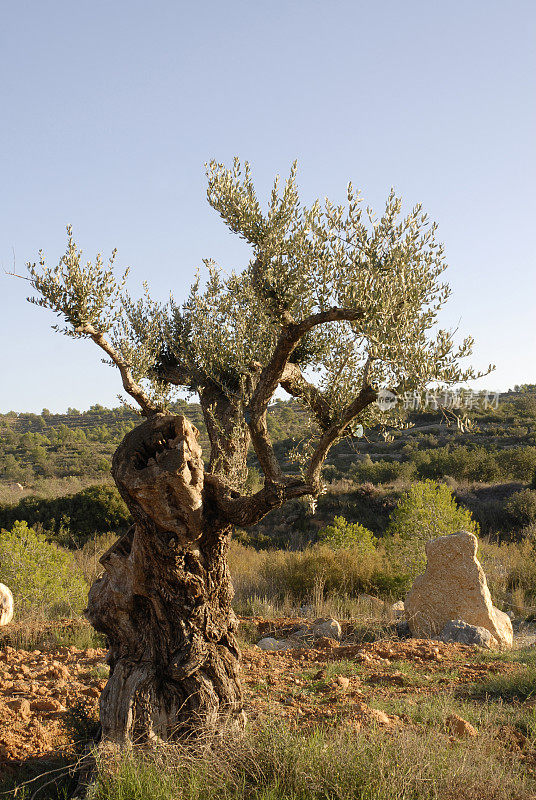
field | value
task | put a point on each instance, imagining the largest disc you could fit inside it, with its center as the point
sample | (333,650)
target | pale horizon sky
(110,110)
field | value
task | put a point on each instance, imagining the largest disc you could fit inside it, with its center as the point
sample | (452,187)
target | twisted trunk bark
(164,600)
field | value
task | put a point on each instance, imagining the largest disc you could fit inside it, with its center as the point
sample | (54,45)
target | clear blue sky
(110,109)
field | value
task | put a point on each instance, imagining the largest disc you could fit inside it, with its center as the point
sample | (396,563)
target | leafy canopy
(308,260)
(334,304)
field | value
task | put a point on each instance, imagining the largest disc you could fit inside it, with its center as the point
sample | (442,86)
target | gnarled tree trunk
(164,600)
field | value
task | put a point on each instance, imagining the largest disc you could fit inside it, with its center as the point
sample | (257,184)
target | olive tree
(334,305)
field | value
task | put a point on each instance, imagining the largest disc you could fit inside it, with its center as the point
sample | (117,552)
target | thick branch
(148,407)
(271,376)
(246,510)
(366,396)
(228,434)
(295,384)
(291,336)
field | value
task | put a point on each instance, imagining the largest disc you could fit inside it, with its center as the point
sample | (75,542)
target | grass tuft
(274,762)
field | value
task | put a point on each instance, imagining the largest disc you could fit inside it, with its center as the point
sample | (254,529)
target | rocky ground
(47,696)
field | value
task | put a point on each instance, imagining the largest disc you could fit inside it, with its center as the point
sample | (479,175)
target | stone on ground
(397,609)
(21,706)
(268,643)
(372,604)
(457,630)
(326,627)
(342,681)
(454,587)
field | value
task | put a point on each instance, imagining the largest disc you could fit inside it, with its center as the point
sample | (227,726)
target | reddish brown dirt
(328,684)
(36,692)
(331,683)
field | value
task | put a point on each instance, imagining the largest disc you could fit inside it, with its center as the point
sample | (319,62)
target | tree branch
(270,378)
(366,396)
(291,335)
(148,407)
(248,509)
(173,372)
(295,384)
(366,371)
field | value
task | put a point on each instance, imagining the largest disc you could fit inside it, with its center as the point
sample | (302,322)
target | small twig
(16,275)
(61,770)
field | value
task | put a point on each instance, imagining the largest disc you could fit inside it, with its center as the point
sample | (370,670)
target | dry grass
(35,633)
(317,578)
(511,574)
(275,762)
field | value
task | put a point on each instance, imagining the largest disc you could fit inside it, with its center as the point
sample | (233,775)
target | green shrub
(347,534)
(72,519)
(427,510)
(368,471)
(521,508)
(461,462)
(517,463)
(43,577)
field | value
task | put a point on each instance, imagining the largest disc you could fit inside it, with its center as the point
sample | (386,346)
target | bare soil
(326,684)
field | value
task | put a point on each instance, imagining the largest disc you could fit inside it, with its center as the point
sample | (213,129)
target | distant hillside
(51,454)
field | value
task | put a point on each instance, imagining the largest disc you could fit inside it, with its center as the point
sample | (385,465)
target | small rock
(397,609)
(342,681)
(90,691)
(58,671)
(456,630)
(327,628)
(460,727)
(325,643)
(46,704)
(379,716)
(363,657)
(268,643)
(374,604)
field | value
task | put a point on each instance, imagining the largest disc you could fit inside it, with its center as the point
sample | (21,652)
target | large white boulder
(6,605)
(454,587)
